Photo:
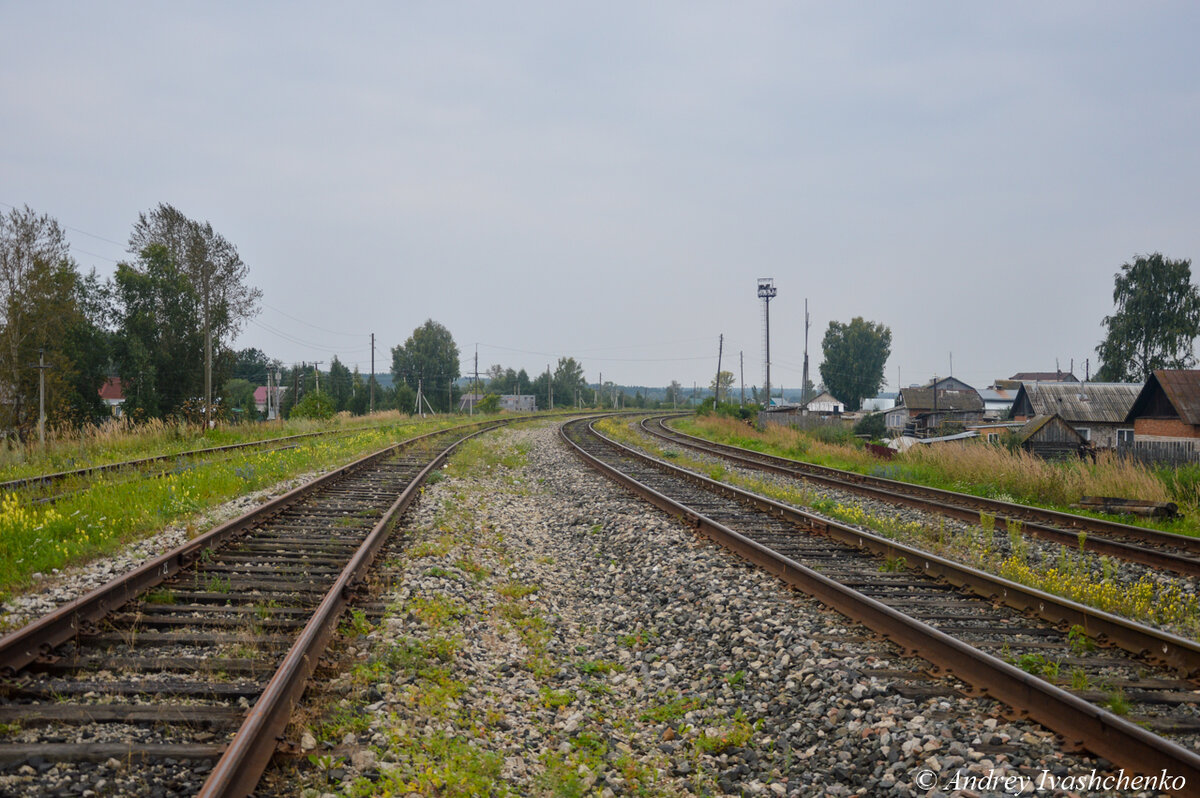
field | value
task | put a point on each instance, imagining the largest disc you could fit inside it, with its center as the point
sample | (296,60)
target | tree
(158,344)
(1156,322)
(722,388)
(212,267)
(854,357)
(568,381)
(238,396)
(48,314)
(428,357)
(341,384)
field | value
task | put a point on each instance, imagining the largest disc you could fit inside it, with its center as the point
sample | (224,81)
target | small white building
(518,403)
(824,403)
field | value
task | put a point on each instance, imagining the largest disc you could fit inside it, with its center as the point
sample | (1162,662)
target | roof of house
(1037,422)
(111,389)
(922,399)
(1095,402)
(824,396)
(1044,376)
(1182,389)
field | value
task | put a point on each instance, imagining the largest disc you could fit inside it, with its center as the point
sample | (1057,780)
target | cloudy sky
(608,180)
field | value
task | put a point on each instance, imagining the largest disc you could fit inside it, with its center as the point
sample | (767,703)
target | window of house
(1084,432)
(993,437)
(1124,437)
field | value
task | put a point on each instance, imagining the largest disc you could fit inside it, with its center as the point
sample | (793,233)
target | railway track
(1178,553)
(1123,691)
(149,467)
(182,674)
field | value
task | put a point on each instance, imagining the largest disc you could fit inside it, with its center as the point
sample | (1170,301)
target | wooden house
(1096,410)
(1051,437)
(922,410)
(1165,416)
(824,403)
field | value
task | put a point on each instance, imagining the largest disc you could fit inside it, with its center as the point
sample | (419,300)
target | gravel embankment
(549,634)
(968,543)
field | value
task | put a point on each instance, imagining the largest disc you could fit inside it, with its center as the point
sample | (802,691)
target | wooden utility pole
(717,384)
(475,390)
(742,378)
(371,380)
(317,371)
(41,367)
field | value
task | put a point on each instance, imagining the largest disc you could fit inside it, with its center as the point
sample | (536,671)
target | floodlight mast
(766,292)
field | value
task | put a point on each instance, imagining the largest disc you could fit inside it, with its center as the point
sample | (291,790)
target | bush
(872,426)
(314,405)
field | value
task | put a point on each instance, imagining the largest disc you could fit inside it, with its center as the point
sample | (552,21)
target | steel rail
(46,479)
(39,638)
(1163,648)
(1078,721)
(1033,520)
(242,765)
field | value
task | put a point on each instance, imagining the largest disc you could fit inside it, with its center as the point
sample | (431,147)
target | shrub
(871,426)
(314,405)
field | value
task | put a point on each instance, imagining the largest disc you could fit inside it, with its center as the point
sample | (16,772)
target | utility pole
(804,388)
(476,390)
(742,377)
(317,371)
(41,367)
(766,292)
(420,409)
(600,390)
(549,386)
(717,384)
(371,381)
(450,396)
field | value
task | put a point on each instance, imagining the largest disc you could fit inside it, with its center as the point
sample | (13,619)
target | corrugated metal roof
(1097,402)
(1182,387)
(1044,376)
(922,399)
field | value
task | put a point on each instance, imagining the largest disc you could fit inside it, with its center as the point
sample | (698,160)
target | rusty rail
(1078,721)
(966,507)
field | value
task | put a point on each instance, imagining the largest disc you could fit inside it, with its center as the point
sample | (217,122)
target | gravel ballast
(547,633)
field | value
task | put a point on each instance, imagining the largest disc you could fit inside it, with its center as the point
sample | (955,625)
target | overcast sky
(608,180)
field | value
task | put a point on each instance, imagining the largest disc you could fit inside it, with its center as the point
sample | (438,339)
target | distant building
(922,410)
(466,404)
(1052,438)
(112,395)
(518,403)
(1096,410)
(1165,417)
(824,403)
(260,400)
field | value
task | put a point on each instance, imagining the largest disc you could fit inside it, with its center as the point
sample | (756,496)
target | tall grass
(69,448)
(973,467)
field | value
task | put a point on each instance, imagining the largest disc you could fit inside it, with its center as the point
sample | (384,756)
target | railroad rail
(192,662)
(965,622)
(58,477)
(1178,553)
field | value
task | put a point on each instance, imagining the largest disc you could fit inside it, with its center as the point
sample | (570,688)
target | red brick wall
(1164,428)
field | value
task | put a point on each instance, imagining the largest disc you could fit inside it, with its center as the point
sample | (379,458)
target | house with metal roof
(1096,410)
(1165,416)
(922,410)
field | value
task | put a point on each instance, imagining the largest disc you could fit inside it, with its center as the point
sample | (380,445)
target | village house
(1165,417)
(112,395)
(824,403)
(1052,438)
(260,400)
(924,409)
(1096,410)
